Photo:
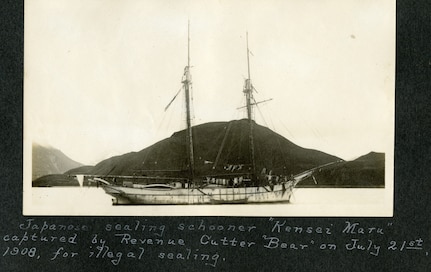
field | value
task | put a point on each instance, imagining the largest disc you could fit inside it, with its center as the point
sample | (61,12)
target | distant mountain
(82,170)
(48,160)
(365,171)
(220,148)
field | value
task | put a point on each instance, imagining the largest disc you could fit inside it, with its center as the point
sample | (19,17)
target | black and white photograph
(209,108)
(215,136)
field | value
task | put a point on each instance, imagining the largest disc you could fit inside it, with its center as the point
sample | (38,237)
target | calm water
(304,202)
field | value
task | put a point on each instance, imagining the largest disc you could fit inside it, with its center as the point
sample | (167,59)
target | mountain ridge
(222,148)
(217,145)
(365,171)
(48,160)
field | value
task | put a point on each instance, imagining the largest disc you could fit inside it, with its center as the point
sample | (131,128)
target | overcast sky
(98,74)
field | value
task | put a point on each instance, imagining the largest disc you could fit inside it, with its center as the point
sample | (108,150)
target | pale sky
(98,74)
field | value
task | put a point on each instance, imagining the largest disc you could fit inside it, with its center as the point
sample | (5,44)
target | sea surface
(304,202)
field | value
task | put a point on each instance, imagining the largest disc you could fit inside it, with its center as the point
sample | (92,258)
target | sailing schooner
(243,188)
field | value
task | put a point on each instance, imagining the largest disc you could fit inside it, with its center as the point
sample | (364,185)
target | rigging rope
(260,112)
(173,99)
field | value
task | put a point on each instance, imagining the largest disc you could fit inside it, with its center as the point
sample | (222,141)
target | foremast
(248,92)
(187,82)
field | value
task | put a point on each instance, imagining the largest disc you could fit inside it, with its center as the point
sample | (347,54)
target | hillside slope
(365,171)
(220,148)
(48,160)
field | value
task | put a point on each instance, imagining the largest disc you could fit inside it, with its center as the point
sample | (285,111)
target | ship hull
(191,196)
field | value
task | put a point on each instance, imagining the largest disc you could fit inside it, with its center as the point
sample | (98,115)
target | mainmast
(187,81)
(248,91)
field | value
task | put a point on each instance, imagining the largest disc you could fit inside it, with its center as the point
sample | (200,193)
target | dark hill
(55,180)
(228,139)
(365,171)
(48,160)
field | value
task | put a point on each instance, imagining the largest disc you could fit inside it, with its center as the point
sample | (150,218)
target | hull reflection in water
(303,202)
